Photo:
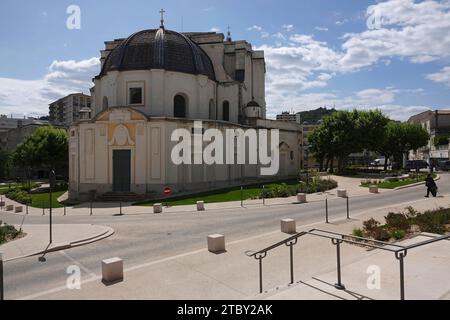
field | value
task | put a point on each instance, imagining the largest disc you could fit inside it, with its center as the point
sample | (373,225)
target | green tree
(389,142)
(320,141)
(47,147)
(5,164)
(346,132)
(400,138)
(414,137)
(440,141)
(371,127)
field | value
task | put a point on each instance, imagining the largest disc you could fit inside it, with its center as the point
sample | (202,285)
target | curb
(64,246)
(438,177)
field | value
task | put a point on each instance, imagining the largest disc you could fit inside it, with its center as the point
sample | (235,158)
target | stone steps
(117,197)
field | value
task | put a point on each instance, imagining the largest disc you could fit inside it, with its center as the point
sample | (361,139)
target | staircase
(121,197)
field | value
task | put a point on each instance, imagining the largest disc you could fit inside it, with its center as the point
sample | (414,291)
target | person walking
(431,186)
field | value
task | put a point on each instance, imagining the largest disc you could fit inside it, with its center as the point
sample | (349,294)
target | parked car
(378,162)
(443,165)
(416,165)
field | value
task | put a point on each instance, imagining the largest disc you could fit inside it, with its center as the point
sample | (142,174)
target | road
(141,238)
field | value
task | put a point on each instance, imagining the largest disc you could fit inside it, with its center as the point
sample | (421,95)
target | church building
(154,82)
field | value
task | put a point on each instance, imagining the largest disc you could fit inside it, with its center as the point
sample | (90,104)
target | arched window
(226,111)
(212,110)
(105,104)
(179,106)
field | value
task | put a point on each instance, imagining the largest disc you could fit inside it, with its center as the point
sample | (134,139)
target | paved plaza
(166,257)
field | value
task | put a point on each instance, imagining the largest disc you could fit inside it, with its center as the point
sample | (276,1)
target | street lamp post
(52,178)
(306,149)
(2,293)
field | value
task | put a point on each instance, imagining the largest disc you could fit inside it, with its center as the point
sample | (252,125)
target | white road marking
(82,267)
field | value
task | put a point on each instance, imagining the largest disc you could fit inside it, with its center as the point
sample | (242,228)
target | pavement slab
(232,275)
(36,239)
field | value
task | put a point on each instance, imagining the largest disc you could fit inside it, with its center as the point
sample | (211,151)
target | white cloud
(369,99)
(31,97)
(288,27)
(254,28)
(442,76)
(306,64)
(378,96)
(341,22)
(321,29)
(265,34)
(279,35)
(325,76)
(417,32)
(214,29)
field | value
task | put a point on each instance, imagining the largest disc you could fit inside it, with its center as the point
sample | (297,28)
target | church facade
(157,81)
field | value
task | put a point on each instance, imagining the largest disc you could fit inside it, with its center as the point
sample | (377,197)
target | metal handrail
(274,246)
(337,239)
(342,238)
(381,243)
(423,243)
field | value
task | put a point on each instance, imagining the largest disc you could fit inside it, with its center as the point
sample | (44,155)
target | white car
(378,162)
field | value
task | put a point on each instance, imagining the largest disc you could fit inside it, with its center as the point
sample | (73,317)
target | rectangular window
(135,93)
(240,75)
(135,96)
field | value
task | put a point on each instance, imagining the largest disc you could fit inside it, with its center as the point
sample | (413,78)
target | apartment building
(66,111)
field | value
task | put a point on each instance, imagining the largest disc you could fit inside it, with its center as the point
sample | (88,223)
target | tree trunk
(386,159)
(340,164)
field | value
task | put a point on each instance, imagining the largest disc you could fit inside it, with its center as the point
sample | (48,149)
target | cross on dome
(162,17)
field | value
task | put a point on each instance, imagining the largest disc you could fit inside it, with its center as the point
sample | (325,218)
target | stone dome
(159,49)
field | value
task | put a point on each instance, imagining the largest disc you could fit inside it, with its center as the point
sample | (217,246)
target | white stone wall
(151,147)
(160,89)
(161,86)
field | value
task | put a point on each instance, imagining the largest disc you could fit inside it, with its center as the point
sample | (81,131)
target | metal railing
(337,239)
(327,215)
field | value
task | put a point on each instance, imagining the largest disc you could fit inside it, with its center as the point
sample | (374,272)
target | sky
(392,55)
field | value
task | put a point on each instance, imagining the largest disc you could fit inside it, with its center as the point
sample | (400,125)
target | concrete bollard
(216,243)
(342,193)
(18,209)
(373,189)
(200,206)
(112,270)
(157,208)
(288,226)
(301,197)
(9,207)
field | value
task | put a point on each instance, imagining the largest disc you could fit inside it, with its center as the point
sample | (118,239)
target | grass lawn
(233,194)
(5,188)
(397,184)
(41,200)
